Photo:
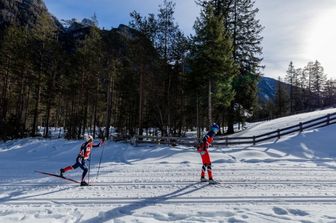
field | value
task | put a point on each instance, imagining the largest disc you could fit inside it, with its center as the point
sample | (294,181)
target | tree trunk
(168,103)
(141,95)
(46,132)
(20,102)
(26,113)
(85,111)
(231,119)
(4,99)
(94,118)
(36,108)
(110,86)
(95,110)
(210,102)
(197,118)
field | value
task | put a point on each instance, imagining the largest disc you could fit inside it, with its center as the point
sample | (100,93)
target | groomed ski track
(127,191)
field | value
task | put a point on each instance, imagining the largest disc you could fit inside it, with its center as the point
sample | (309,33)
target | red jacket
(206,142)
(85,149)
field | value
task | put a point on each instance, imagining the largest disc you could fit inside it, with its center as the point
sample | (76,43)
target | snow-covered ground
(291,180)
(279,123)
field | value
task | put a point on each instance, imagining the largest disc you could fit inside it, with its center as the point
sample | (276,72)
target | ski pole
(101,157)
(89,169)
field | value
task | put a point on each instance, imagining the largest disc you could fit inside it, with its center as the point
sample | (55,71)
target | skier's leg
(66,169)
(209,171)
(75,166)
(207,163)
(203,171)
(84,168)
(203,165)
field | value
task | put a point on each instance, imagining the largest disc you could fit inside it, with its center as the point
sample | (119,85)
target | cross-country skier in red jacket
(202,148)
(83,155)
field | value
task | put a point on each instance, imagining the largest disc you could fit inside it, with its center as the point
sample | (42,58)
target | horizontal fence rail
(225,141)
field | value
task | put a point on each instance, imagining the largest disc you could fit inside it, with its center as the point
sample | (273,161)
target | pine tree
(281,99)
(15,71)
(89,63)
(146,25)
(290,78)
(166,36)
(240,20)
(318,80)
(43,34)
(212,60)
(330,93)
(298,92)
(6,67)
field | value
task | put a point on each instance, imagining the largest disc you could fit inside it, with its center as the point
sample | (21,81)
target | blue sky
(295,30)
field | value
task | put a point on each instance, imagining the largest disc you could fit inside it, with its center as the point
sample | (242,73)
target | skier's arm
(99,144)
(206,141)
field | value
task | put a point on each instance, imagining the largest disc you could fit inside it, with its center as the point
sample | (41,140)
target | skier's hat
(215,127)
(88,137)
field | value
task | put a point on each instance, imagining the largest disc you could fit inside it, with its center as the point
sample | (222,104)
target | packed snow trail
(153,192)
(292,180)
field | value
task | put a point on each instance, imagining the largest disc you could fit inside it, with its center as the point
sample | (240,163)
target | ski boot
(61,172)
(83,183)
(212,181)
(203,179)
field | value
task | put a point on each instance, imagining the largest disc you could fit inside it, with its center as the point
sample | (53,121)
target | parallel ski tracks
(176,183)
(176,200)
(287,186)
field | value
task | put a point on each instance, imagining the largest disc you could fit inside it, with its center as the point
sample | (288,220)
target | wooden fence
(250,140)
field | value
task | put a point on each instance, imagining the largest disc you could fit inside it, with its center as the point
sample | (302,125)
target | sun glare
(321,42)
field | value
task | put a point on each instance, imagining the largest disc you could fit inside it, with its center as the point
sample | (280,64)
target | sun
(321,42)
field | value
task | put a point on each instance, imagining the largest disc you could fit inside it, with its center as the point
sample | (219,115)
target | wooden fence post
(301,127)
(134,141)
(328,119)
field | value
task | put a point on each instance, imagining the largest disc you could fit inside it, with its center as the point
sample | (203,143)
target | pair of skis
(59,176)
(75,181)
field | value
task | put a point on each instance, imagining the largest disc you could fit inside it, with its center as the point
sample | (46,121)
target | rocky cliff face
(22,12)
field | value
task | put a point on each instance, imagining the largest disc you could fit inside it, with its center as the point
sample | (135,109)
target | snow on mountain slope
(291,180)
(279,123)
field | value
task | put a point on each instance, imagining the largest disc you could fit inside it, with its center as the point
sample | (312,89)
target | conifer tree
(43,34)
(15,71)
(212,60)
(89,63)
(290,78)
(281,99)
(165,35)
(330,93)
(318,80)
(240,20)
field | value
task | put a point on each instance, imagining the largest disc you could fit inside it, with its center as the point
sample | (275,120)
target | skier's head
(88,137)
(215,128)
